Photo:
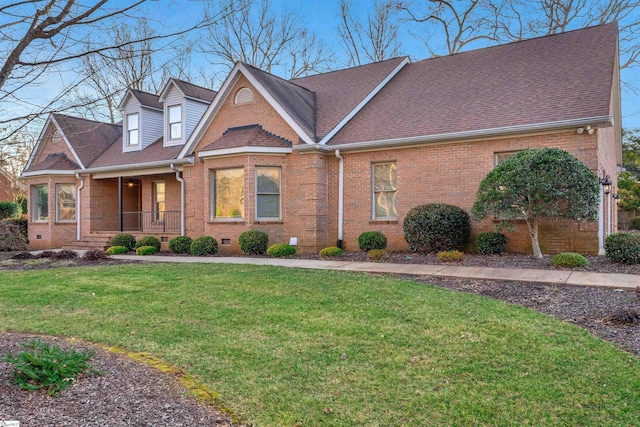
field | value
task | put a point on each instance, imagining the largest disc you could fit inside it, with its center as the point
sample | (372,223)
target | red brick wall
(451,173)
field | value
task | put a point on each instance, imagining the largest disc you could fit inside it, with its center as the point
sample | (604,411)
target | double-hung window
(158,200)
(65,202)
(39,203)
(227,193)
(384,191)
(133,133)
(175,122)
(268,184)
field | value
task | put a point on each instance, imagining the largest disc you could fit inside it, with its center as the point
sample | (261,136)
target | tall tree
(374,40)
(257,35)
(39,37)
(629,180)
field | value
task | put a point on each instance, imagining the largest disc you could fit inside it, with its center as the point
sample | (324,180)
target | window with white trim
(133,133)
(39,203)
(65,202)
(56,137)
(268,185)
(227,193)
(158,200)
(384,191)
(175,122)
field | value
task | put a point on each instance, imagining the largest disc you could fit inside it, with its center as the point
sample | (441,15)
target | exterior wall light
(130,183)
(606,184)
(617,198)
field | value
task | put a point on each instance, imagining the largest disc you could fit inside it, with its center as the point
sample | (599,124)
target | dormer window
(243,96)
(133,137)
(175,122)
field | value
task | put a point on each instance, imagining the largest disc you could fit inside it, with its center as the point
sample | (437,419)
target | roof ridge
(348,68)
(142,91)
(85,119)
(518,41)
(190,83)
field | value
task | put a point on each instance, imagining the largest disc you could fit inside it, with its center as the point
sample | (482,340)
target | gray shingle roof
(147,99)
(555,78)
(251,135)
(195,91)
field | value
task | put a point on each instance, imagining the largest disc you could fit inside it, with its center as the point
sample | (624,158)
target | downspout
(340,197)
(79,204)
(181,180)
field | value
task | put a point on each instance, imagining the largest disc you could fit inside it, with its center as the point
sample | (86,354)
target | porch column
(120,203)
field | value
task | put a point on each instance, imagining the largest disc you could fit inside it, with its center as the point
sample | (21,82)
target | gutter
(135,166)
(79,205)
(182,198)
(454,136)
(340,198)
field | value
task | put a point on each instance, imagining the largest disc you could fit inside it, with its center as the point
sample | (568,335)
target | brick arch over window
(244,95)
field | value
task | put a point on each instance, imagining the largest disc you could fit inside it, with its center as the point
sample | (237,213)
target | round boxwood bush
(491,243)
(623,248)
(634,223)
(372,240)
(149,241)
(146,250)
(281,250)
(254,242)
(8,209)
(180,245)
(331,251)
(117,250)
(123,239)
(436,227)
(569,259)
(203,246)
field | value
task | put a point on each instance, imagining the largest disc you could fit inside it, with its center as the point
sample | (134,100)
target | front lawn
(295,347)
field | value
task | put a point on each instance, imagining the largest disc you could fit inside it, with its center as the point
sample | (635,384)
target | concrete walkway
(563,277)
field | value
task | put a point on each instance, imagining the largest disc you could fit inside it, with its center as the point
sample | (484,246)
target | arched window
(243,96)
(56,137)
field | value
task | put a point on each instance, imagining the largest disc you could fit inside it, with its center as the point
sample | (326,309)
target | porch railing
(151,221)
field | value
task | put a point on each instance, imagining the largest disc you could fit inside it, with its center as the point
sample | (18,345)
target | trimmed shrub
(203,246)
(180,244)
(372,240)
(280,250)
(254,242)
(149,241)
(376,254)
(11,238)
(117,250)
(623,248)
(450,256)
(8,210)
(47,366)
(491,243)
(21,223)
(146,250)
(569,259)
(95,255)
(123,239)
(331,251)
(436,227)
(634,223)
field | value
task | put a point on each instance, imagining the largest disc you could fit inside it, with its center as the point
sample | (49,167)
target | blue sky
(320,16)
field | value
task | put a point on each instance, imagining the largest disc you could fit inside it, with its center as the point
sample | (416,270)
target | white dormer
(183,105)
(142,120)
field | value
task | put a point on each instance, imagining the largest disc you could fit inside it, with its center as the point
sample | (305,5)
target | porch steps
(92,241)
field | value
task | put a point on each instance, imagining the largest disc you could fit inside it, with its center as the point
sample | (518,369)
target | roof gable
(145,99)
(552,79)
(189,90)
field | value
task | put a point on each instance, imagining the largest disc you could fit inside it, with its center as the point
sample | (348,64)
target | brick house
(10,187)
(320,159)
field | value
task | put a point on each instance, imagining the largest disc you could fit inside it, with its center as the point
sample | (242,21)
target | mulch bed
(134,394)
(128,393)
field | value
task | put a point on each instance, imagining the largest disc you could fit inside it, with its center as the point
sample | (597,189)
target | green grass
(269,341)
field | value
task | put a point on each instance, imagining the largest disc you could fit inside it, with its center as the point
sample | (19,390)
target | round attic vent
(243,96)
(56,137)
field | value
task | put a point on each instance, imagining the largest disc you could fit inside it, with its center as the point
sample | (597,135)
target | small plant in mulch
(146,250)
(281,250)
(45,366)
(623,317)
(450,256)
(117,250)
(569,260)
(330,252)
(376,254)
(95,255)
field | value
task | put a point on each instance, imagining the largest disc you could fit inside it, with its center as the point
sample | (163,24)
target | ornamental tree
(538,183)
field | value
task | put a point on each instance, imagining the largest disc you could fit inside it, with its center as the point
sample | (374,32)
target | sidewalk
(561,277)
